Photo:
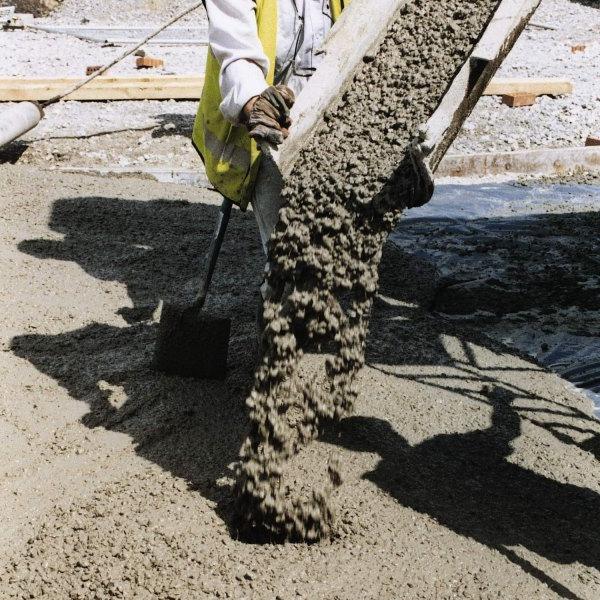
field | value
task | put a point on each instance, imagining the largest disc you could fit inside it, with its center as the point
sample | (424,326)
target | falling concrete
(345,194)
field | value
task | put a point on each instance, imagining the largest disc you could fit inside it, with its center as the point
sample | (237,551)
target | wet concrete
(343,197)
(468,469)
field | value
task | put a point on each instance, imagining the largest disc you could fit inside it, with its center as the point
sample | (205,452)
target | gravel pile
(118,12)
(552,122)
(543,53)
(42,54)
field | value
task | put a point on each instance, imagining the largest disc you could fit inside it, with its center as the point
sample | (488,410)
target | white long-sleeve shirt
(233,38)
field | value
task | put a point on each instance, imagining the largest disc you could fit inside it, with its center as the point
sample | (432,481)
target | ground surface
(469,471)
(541,53)
(157,133)
(520,261)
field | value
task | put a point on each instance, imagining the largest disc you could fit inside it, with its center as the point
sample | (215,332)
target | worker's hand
(268,115)
(422,145)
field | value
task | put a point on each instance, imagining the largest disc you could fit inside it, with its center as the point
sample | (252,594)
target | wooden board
(189,87)
(166,87)
(536,87)
(527,162)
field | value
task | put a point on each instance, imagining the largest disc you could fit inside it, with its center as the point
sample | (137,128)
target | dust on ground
(468,469)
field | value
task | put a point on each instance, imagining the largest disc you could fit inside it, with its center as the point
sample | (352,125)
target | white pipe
(17,120)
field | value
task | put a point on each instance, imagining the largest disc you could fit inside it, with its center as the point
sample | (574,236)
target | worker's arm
(233,38)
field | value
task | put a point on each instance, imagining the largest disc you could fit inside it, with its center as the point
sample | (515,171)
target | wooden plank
(537,87)
(189,87)
(164,87)
(555,161)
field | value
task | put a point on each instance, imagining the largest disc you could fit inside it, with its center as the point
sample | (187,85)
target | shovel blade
(190,344)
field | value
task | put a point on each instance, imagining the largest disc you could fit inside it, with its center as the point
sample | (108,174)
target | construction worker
(261,54)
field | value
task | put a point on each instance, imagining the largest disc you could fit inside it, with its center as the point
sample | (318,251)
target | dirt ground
(156,134)
(470,472)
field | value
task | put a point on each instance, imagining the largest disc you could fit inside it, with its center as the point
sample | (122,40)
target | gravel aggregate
(542,53)
(114,12)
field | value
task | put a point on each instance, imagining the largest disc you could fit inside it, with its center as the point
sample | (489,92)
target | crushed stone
(326,251)
(565,121)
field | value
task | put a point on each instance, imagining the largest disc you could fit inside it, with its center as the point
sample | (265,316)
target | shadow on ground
(12,152)
(590,3)
(193,429)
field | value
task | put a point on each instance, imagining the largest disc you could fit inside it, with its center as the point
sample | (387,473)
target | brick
(516,100)
(92,69)
(593,140)
(145,62)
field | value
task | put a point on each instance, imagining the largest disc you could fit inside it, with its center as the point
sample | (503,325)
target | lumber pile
(524,92)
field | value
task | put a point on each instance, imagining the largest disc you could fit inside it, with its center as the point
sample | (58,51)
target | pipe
(19,119)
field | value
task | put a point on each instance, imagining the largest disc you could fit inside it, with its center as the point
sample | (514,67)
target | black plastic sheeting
(523,262)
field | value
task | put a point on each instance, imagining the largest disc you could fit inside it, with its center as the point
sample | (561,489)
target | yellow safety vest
(230,156)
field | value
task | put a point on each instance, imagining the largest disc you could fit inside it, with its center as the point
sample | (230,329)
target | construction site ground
(116,479)
(154,134)
(471,470)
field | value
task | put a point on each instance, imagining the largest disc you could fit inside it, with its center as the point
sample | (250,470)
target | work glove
(269,118)
(423,185)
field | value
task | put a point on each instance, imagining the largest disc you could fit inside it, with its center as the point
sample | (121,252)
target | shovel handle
(213,251)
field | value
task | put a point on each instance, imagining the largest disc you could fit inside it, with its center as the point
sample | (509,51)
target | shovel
(191,343)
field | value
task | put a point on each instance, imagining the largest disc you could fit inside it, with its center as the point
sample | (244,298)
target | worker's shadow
(558,275)
(191,428)
(466,482)
(155,248)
